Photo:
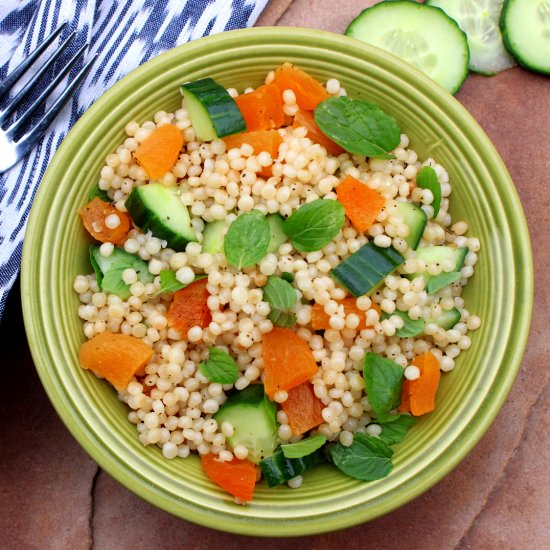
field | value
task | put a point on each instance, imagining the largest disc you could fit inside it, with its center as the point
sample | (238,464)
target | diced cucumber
(252,416)
(367,268)
(422,35)
(213,235)
(448,318)
(278,469)
(479,19)
(416,220)
(158,208)
(438,254)
(276,234)
(432,254)
(109,270)
(213,112)
(525,26)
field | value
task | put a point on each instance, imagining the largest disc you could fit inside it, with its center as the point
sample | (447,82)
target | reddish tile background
(497,498)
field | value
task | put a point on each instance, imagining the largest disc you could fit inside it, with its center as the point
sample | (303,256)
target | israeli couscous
(277,281)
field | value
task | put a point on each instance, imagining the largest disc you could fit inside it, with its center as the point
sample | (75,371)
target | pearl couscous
(171,402)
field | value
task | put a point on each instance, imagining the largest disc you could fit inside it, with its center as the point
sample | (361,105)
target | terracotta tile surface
(53,496)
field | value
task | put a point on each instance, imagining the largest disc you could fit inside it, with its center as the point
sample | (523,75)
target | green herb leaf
(287,276)
(437,282)
(395,427)
(314,224)
(247,239)
(271,409)
(383,381)
(280,318)
(169,282)
(410,328)
(281,296)
(95,265)
(112,281)
(96,192)
(358,126)
(219,367)
(367,458)
(304,447)
(279,293)
(427,179)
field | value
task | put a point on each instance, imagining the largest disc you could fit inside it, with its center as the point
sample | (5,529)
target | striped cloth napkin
(124,34)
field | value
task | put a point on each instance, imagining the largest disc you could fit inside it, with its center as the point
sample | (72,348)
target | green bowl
(501,291)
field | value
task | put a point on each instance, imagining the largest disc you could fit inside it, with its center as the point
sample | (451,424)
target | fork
(12,151)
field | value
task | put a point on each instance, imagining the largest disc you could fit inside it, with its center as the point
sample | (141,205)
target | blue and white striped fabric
(124,34)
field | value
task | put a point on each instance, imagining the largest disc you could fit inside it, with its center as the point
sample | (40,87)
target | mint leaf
(410,328)
(304,447)
(427,179)
(169,282)
(112,281)
(95,265)
(358,126)
(437,282)
(96,192)
(247,239)
(287,276)
(367,458)
(314,224)
(109,270)
(282,318)
(383,381)
(279,293)
(219,367)
(281,296)
(395,427)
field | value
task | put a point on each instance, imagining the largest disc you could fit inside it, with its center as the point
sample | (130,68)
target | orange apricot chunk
(303,409)
(158,152)
(237,477)
(95,216)
(288,361)
(115,357)
(361,203)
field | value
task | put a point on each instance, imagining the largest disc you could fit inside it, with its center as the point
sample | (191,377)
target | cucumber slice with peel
(253,417)
(213,236)
(365,270)
(479,19)
(157,208)
(438,254)
(448,318)
(420,34)
(213,112)
(415,218)
(525,26)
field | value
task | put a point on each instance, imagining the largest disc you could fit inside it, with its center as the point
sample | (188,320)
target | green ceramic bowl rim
(465,440)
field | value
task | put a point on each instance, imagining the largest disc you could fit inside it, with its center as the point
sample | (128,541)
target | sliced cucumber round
(479,19)
(525,26)
(422,35)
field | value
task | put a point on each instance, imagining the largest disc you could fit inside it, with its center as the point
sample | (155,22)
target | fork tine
(32,82)
(30,138)
(13,77)
(12,130)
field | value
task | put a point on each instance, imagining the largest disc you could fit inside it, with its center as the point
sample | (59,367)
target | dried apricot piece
(288,361)
(115,357)
(100,219)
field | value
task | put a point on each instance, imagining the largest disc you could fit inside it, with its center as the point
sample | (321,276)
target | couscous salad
(275,281)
